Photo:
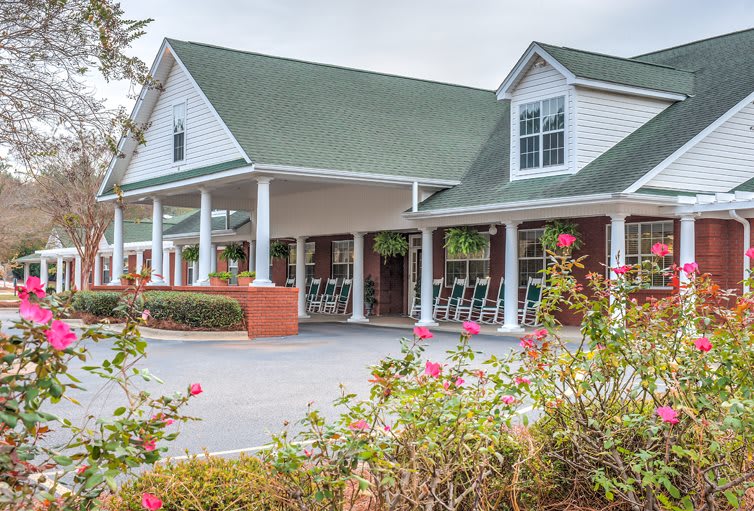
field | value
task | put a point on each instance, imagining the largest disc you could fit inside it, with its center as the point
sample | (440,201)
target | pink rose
(703,344)
(622,270)
(150,502)
(387,428)
(359,425)
(307,453)
(521,381)
(527,342)
(749,253)
(422,332)
(82,469)
(459,382)
(432,369)
(660,249)
(446,384)
(195,389)
(540,333)
(59,335)
(690,268)
(33,312)
(33,287)
(145,314)
(508,400)
(566,240)
(149,445)
(667,414)
(470,328)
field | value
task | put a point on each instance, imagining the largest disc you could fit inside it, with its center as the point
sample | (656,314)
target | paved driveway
(250,388)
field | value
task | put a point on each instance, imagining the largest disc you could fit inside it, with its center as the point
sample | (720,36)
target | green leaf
(93,480)
(62,460)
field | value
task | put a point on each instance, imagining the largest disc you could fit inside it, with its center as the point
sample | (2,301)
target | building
(653,148)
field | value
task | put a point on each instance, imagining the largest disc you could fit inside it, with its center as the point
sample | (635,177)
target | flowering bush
(35,375)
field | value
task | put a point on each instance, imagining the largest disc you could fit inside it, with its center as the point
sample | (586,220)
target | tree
(20,222)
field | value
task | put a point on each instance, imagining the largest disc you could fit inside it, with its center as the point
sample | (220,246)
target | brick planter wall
(268,311)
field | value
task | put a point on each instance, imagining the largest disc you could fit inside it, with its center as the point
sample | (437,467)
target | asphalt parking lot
(252,387)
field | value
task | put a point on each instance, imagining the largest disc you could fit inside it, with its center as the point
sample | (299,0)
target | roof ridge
(627,59)
(704,40)
(334,66)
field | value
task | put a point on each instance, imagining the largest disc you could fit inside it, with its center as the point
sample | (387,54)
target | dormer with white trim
(568,106)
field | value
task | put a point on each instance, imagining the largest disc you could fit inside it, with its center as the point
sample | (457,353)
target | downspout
(747,243)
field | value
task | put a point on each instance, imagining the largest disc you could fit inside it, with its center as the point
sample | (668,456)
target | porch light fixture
(493,229)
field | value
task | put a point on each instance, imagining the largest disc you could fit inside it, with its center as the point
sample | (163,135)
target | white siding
(606,118)
(541,82)
(207,141)
(721,161)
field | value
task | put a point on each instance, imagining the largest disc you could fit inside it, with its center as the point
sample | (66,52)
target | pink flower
(749,253)
(33,312)
(422,332)
(150,502)
(160,417)
(470,328)
(149,445)
(432,369)
(195,389)
(667,414)
(660,249)
(446,384)
(479,373)
(527,342)
(387,428)
(540,333)
(33,287)
(359,425)
(703,344)
(508,400)
(82,469)
(59,335)
(690,268)
(459,382)
(566,240)
(622,270)
(145,314)
(521,381)
(307,453)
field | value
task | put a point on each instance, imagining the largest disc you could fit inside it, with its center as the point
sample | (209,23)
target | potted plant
(279,250)
(245,278)
(219,278)
(465,241)
(390,244)
(370,297)
(233,252)
(128,279)
(191,253)
(549,238)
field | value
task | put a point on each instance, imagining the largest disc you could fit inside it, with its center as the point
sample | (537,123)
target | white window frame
(333,263)
(105,269)
(523,281)
(183,103)
(309,273)
(541,168)
(467,259)
(642,226)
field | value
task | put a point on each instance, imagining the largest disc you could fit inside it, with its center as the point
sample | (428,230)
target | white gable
(721,161)
(207,140)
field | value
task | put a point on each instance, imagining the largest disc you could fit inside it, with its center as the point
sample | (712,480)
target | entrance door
(414,267)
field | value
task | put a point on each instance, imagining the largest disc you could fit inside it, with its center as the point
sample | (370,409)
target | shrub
(465,241)
(252,274)
(223,275)
(197,310)
(202,484)
(102,304)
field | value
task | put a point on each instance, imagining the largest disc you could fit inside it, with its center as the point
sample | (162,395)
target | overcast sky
(471,42)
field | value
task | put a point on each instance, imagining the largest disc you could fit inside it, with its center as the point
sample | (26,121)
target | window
(532,258)
(342,260)
(105,269)
(308,261)
(541,126)
(233,269)
(190,275)
(640,237)
(468,266)
(125,264)
(179,132)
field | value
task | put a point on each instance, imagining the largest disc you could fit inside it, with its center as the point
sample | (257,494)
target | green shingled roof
(180,176)
(723,76)
(190,224)
(133,232)
(606,68)
(288,112)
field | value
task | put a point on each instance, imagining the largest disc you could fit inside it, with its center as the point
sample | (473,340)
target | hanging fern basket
(465,241)
(390,244)
(549,238)
(191,253)
(279,250)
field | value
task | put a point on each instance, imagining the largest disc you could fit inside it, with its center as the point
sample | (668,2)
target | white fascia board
(544,204)
(345,175)
(626,89)
(186,235)
(646,178)
(504,91)
(712,207)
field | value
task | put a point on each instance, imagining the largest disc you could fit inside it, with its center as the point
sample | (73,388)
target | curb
(169,335)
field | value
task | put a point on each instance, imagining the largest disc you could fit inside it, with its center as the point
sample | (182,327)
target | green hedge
(196,310)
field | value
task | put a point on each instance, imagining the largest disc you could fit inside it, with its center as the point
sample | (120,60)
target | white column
(427,302)
(77,277)
(178,274)
(262,259)
(617,243)
(43,275)
(59,264)
(213,259)
(26,272)
(166,266)
(688,244)
(510,310)
(357,315)
(98,270)
(116,269)
(157,269)
(139,261)
(301,276)
(205,239)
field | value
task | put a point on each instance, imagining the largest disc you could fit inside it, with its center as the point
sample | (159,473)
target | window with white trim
(342,260)
(640,237)
(308,261)
(468,266)
(179,132)
(541,132)
(532,258)
(105,269)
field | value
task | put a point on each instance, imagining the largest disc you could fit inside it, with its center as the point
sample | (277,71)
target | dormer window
(542,133)
(179,132)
